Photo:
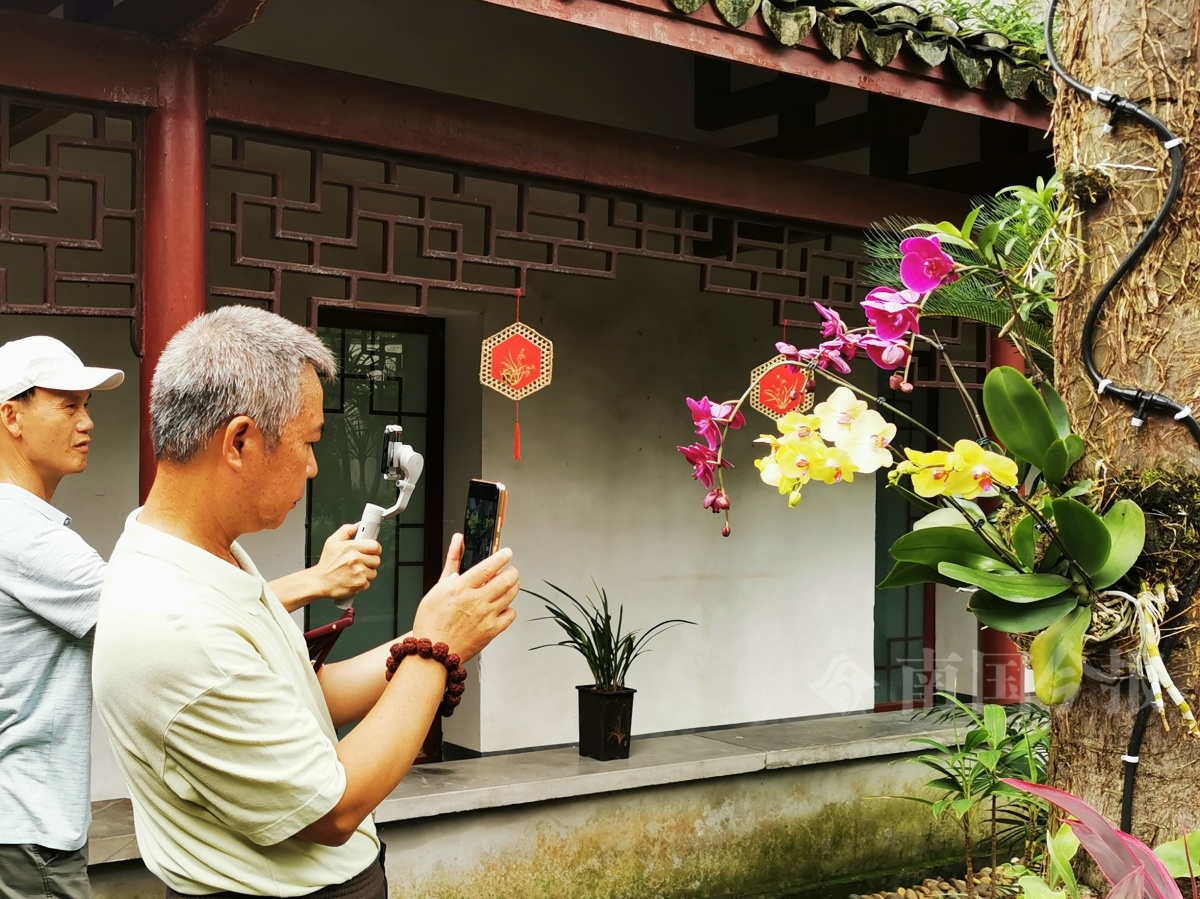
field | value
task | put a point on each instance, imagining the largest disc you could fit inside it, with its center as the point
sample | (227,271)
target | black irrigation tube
(1143,402)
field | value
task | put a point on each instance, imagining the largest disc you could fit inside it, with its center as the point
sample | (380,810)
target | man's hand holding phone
(467,611)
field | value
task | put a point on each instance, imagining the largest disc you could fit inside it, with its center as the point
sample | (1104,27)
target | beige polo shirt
(217,722)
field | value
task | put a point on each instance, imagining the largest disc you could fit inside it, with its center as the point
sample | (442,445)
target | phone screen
(482,522)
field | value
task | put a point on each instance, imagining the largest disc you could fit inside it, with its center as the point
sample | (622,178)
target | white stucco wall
(784,606)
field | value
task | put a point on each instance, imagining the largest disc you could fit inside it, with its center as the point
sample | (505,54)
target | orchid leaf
(1061,455)
(1024,540)
(1126,526)
(1176,854)
(1057,657)
(933,545)
(1018,415)
(1014,586)
(1019,618)
(906,574)
(945,517)
(1101,840)
(1078,489)
(1083,533)
(1056,407)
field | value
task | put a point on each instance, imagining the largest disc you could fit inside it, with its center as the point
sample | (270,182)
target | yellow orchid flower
(837,414)
(867,444)
(978,471)
(930,471)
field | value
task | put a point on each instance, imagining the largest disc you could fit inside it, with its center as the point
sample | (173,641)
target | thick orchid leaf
(1014,586)
(1018,415)
(1035,888)
(1101,840)
(906,574)
(1061,455)
(1019,618)
(1126,525)
(946,517)
(933,545)
(1083,533)
(1132,886)
(1181,857)
(1024,541)
(1056,407)
(1057,657)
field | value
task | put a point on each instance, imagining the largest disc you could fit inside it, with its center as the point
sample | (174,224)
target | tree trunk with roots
(1147,338)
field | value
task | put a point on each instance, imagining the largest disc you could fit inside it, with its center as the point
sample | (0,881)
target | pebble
(951,888)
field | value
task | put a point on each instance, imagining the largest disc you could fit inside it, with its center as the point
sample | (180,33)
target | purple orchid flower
(717,500)
(832,324)
(709,417)
(887,354)
(893,313)
(704,461)
(925,264)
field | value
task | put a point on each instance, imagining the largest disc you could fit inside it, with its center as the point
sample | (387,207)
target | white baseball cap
(46,362)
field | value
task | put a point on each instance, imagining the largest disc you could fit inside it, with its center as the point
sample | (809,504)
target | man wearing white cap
(50,582)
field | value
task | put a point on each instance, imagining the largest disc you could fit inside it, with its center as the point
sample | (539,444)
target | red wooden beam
(174,282)
(706,33)
(49,56)
(305,100)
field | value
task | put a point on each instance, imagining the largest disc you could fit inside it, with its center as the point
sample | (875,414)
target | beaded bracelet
(456,674)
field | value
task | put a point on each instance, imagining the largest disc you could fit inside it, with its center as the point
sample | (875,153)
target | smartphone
(481,524)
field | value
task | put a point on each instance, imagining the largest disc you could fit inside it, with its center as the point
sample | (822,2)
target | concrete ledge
(520,778)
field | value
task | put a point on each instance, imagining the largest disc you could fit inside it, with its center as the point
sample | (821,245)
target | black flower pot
(605,720)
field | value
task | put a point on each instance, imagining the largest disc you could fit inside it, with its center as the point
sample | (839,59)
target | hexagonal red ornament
(517,361)
(783,388)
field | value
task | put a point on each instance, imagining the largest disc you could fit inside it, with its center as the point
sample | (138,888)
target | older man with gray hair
(226,736)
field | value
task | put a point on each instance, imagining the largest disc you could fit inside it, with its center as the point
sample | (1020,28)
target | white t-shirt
(217,722)
(49,588)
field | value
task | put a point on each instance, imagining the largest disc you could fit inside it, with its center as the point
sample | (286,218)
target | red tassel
(517,434)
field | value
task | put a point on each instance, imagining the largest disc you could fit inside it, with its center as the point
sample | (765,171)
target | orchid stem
(968,403)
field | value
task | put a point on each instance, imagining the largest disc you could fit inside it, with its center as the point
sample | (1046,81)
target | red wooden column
(1001,668)
(174,285)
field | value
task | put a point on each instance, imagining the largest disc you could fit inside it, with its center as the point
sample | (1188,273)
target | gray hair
(238,360)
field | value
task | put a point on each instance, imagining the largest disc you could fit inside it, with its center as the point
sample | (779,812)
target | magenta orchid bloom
(704,460)
(709,417)
(832,324)
(925,264)
(893,313)
(717,500)
(887,354)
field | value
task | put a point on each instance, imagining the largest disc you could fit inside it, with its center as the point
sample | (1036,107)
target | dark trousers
(29,871)
(368,884)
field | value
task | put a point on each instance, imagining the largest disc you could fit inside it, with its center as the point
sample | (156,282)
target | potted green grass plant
(606,704)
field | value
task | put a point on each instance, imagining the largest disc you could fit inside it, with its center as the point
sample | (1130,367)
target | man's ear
(239,437)
(8,418)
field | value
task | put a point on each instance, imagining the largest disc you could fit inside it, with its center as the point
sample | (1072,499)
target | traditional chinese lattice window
(297,225)
(70,209)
